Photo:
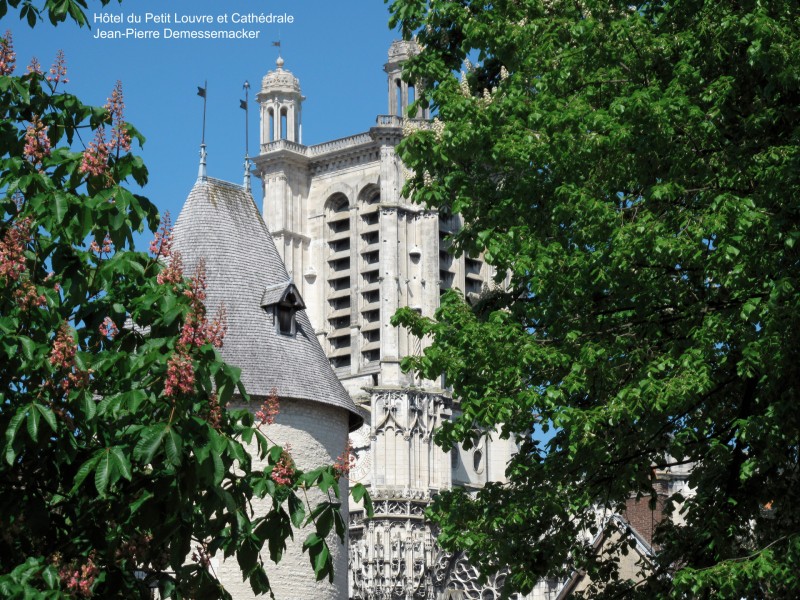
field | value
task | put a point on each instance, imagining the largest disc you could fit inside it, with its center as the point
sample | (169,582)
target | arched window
(283,124)
(270,125)
(398,97)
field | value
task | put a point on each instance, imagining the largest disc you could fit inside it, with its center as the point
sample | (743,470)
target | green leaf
(88,405)
(11,433)
(84,470)
(60,206)
(149,442)
(324,519)
(172,445)
(49,416)
(121,462)
(359,493)
(134,506)
(34,416)
(219,468)
(297,510)
(28,347)
(103,471)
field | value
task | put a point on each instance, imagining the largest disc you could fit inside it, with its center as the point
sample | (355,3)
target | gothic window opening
(270,125)
(398,97)
(284,121)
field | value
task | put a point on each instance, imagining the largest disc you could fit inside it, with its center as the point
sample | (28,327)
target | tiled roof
(220,223)
(273,295)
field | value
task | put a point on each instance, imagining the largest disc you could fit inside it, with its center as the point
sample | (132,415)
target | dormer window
(286,310)
(283,301)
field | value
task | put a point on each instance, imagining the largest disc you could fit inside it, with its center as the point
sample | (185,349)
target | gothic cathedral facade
(357,250)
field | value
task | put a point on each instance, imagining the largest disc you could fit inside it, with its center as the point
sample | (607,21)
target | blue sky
(336,49)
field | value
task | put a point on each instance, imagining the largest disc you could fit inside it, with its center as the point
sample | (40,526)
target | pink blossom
(95,157)
(197,290)
(269,409)
(27,297)
(58,72)
(12,248)
(180,374)
(37,144)
(35,66)
(344,461)
(162,242)
(104,249)
(7,55)
(201,557)
(62,355)
(217,328)
(120,138)
(214,417)
(283,472)
(79,581)
(173,272)
(197,331)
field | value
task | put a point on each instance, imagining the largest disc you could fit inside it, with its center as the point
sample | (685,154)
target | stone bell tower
(286,179)
(358,250)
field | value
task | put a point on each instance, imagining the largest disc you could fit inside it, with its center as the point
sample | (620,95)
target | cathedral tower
(358,250)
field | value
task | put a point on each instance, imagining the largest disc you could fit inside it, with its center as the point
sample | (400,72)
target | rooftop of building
(220,224)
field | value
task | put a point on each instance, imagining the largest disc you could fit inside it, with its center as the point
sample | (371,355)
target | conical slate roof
(220,223)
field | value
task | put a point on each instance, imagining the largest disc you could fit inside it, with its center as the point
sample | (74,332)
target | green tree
(121,466)
(635,169)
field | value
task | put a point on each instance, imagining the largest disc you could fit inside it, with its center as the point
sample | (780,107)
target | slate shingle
(220,223)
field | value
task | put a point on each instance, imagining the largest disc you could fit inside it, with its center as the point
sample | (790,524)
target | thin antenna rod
(246,87)
(243,104)
(203,93)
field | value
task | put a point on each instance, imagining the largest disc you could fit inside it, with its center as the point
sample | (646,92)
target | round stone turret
(271,340)
(401,93)
(281,101)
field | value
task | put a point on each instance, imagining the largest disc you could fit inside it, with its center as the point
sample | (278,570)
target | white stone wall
(317,434)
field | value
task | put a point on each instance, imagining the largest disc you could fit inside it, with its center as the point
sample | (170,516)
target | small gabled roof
(277,293)
(220,224)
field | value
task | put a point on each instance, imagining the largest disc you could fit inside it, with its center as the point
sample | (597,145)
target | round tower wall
(317,434)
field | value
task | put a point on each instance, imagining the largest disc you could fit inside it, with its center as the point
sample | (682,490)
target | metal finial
(203,93)
(201,173)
